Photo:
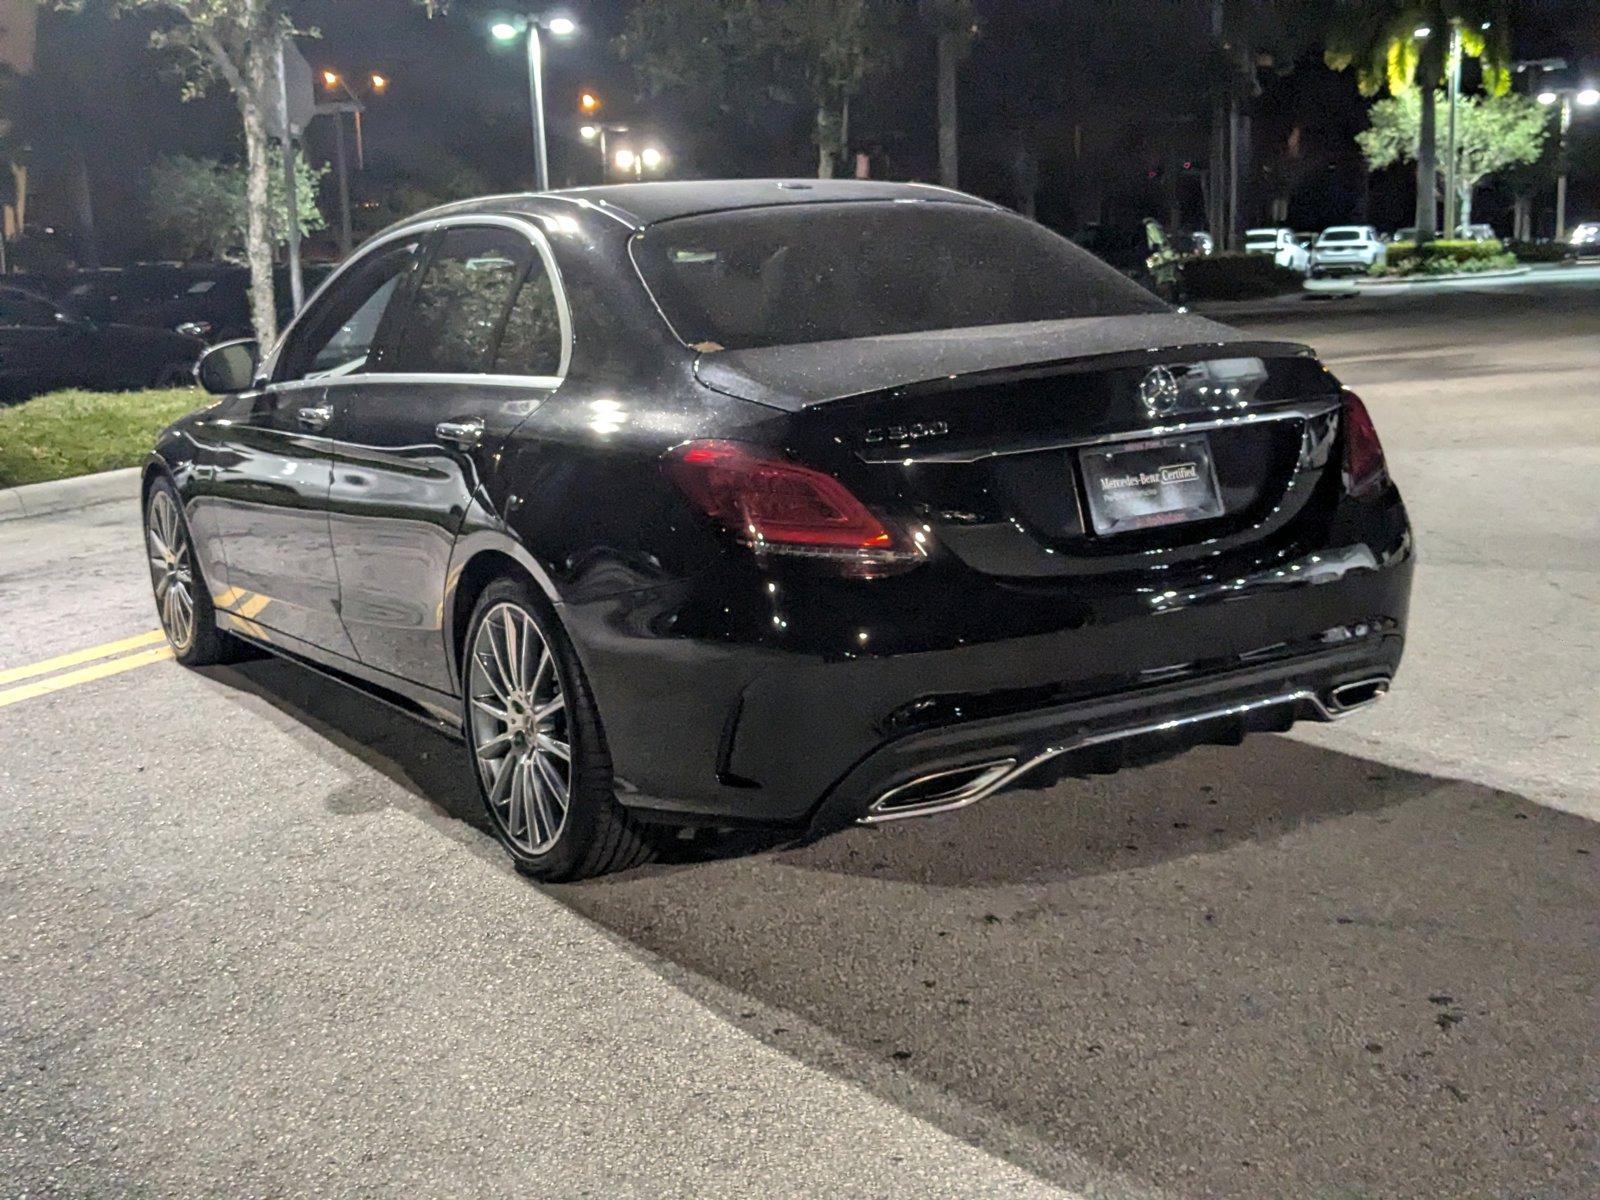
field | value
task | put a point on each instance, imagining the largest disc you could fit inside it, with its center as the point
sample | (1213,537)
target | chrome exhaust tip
(940,791)
(1348,697)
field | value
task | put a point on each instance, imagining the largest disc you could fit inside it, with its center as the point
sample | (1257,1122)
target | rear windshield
(1341,235)
(814,273)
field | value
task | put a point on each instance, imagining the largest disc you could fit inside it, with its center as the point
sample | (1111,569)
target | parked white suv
(1285,249)
(1346,248)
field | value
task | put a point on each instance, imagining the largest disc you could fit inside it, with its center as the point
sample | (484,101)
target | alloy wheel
(520,736)
(171,568)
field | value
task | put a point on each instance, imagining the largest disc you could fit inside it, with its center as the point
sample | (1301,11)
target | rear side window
(531,342)
(461,300)
(811,273)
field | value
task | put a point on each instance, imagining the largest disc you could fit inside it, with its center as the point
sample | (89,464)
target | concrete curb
(66,495)
(1414,280)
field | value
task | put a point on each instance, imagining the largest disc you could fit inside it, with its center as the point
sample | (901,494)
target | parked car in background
(1195,241)
(1347,249)
(1281,244)
(1585,239)
(1406,233)
(44,345)
(1475,233)
(210,301)
(800,503)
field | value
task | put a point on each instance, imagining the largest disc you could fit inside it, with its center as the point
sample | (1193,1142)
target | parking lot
(258,941)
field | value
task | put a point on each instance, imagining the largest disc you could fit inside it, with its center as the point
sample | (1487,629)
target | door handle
(314,418)
(462,434)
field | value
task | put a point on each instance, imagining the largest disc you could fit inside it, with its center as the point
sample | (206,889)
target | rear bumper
(732,730)
(953,767)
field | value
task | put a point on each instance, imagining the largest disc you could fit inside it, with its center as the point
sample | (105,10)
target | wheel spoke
(507,688)
(552,778)
(513,660)
(502,776)
(495,746)
(158,545)
(560,749)
(517,810)
(545,711)
(542,806)
(162,585)
(486,668)
(481,703)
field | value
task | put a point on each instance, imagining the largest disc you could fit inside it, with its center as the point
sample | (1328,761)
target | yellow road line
(62,662)
(115,666)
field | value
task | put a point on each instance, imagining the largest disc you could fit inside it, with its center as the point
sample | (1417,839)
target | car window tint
(341,332)
(812,273)
(461,302)
(18,311)
(531,343)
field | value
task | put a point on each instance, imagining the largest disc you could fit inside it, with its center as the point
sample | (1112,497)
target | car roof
(1346,229)
(641,204)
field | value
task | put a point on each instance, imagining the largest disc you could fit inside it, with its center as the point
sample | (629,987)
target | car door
(271,482)
(484,341)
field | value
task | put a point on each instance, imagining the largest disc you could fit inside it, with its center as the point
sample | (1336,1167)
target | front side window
(340,334)
(463,301)
(820,272)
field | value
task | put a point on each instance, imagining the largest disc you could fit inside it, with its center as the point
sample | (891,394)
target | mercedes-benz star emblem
(1159,391)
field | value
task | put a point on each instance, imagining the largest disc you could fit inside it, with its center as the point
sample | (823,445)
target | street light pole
(506,31)
(541,160)
(1451,199)
(1587,97)
(1561,159)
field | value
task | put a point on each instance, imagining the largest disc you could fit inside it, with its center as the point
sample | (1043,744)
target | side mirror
(229,367)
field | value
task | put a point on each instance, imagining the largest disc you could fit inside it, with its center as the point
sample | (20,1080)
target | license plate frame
(1150,483)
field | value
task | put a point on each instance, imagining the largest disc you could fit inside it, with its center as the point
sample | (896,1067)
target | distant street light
(598,132)
(1585,97)
(334,81)
(629,162)
(1422,31)
(507,31)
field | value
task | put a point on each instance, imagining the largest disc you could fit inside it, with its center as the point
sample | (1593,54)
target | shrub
(1236,277)
(1445,256)
(1539,252)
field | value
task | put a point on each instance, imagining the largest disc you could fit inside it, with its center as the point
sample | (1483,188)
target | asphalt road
(256,942)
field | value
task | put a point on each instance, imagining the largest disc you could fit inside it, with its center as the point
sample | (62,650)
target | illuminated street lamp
(637,163)
(532,26)
(598,132)
(1585,97)
(335,82)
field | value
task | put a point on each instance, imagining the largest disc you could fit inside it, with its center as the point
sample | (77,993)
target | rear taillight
(1364,468)
(780,507)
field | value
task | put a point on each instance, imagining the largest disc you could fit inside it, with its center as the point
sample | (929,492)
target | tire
(517,663)
(188,618)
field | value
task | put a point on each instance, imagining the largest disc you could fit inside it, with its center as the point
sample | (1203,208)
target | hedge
(1236,277)
(1539,252)
(1445,256)
(69,433)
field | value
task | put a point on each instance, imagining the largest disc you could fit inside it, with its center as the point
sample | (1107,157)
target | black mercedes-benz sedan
(794,503)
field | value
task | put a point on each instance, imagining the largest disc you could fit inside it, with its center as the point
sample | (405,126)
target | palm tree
(954,26)
(1403,44)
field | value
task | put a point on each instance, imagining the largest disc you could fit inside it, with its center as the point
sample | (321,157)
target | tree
(1493,133)
(200,204)
(239,42)
(1385,41)
(954,26)
(733,49)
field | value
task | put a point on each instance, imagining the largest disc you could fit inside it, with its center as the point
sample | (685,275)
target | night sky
(1050,82)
